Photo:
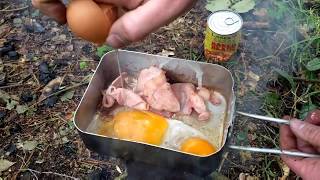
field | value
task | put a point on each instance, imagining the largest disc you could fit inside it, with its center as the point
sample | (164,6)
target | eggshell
(91,21)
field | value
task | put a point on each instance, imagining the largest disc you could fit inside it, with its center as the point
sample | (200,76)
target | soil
(43,50)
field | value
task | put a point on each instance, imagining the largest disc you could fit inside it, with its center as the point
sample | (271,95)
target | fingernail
(297,124)
(115,41)
(315,116)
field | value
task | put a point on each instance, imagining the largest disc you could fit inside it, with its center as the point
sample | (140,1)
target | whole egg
(90,20)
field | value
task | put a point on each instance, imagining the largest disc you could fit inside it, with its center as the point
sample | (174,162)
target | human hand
(142,16)
(302,136)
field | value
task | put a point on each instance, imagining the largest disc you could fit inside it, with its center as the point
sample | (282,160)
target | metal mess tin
(180,70)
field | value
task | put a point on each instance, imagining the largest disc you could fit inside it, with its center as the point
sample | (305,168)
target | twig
(13,85)
(11,10)
(224,157)
(61,91)
(49,172)
(277,50)
(33,174)
(307,80)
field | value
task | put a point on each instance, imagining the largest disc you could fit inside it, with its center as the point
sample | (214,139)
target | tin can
(222,35)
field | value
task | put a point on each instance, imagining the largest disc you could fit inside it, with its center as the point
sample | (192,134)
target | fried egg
(150,128)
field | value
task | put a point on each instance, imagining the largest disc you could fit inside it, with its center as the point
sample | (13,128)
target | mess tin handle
(268,150)
(274,151)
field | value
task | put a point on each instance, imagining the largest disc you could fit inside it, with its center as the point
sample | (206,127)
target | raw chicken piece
(189,99)
(123,96)
(128,98)
(214,98)
(204,93)
(209,95)
(153,86)
(162,113)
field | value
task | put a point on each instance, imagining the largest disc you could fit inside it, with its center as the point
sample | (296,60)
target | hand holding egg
(91,21)
(142,17)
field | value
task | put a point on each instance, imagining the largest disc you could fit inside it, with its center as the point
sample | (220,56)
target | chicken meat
(152,85)
(125,97)
(190,100)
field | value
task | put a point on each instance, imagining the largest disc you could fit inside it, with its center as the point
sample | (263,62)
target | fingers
(129,4)
(293,163)
(287,138)
(52,8)
(138,23)
(314,117)
(306,168)
(301,166)
(306,131)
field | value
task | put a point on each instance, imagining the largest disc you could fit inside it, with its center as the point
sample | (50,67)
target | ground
(37,133)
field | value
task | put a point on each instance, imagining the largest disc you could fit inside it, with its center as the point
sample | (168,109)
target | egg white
(177,133)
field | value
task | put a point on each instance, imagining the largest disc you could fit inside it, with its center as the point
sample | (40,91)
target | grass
(304,54)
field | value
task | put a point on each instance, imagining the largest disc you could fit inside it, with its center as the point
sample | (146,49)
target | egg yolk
(197,146)
(140,126)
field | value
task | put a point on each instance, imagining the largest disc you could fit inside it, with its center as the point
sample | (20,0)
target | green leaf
(71,124)
(103,49)
(67,96)
(5,164)
(306,108)
(287,77)
(242,136)
(29,145)
(216,5)
(243,6)
(11,104)
(313,65)
(21,109)
(83,65)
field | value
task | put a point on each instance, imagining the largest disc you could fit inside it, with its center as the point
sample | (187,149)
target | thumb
(138,23)
(306,131)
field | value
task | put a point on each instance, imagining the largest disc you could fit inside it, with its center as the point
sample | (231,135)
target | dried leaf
(166,53)
(50,87)
(285,170)
(67,96)
(65,140)
(246,176)
(245,156)
(4,96)
(87,78)
(11,104)
(5,164)
(243,6)
(29,145)
(21,109)
(118,169)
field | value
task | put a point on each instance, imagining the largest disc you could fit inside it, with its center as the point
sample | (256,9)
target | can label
(222,35)
(220,47)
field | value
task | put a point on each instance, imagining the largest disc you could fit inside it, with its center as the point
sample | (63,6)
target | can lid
(225,22)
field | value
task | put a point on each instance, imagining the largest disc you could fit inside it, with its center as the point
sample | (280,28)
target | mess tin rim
(156,146)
